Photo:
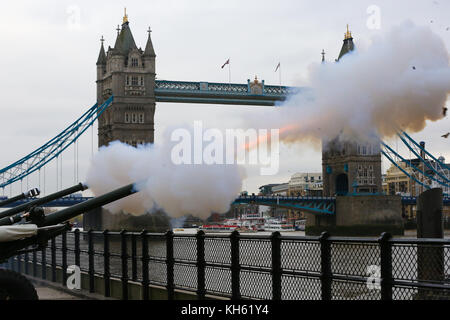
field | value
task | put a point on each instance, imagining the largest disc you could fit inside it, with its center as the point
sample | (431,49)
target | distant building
(281,189)
(267,189)
(396,182)
(300,184)
(306,184)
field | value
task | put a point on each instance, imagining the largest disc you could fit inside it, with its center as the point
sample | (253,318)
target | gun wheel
(14,286)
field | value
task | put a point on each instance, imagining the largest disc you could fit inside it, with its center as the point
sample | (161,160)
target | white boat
(300,225)
(219,227)
(277,225)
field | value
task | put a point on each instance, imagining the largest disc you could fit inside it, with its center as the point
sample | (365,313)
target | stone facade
(351,167)
(127,73)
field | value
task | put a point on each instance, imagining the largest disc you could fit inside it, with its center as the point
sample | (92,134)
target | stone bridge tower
(350,166)
(128,73)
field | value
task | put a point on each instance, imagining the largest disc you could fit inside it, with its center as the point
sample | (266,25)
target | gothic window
(141,118)
(134,62)
(133,118)
(142,81)
(127,117)
(134,81)
(128,80)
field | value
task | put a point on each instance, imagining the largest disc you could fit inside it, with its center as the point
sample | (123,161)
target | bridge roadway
(251,93)
(317,205)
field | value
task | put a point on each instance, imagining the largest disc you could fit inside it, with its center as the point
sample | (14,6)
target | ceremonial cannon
(26,228)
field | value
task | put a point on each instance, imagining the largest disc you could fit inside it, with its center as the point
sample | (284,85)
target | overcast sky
(49,49)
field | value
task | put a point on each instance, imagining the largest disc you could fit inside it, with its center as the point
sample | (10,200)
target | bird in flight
(445,135)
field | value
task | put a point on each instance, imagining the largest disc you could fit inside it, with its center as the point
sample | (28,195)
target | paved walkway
(46,293)
(48,290)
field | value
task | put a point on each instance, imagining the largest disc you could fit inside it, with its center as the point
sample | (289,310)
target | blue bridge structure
(314,205)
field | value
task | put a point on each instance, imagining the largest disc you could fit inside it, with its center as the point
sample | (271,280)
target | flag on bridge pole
(226,62)
(279,67)
(229,69)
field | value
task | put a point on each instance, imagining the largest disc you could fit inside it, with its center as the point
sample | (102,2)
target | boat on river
(278,225)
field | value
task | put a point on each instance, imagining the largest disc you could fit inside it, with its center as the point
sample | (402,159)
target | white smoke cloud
(401,80)
(177,189)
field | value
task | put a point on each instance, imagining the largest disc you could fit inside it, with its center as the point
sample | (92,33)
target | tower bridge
(127,93)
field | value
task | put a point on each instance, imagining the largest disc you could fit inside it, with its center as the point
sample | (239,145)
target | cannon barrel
(40,201)
(75,210)
(52,224)
(31,193)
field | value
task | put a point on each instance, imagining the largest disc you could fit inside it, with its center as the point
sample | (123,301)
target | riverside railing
(252,266)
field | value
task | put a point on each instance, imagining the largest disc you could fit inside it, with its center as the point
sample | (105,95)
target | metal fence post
(169,264)
(44,263)
(91,262)
(34,264)
(145,261)
(53,257)
(124,257)
(133,258)
(10,263)
(77,247)
(64,258)
(19,263)
(276,265)
(325,263)
(201,264)
(27,258)
(235,266)
(386,266)
(106,253)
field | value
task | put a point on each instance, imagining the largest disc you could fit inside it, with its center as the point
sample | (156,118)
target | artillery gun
(26,228)
(29,194)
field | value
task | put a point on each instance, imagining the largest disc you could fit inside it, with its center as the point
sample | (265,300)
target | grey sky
(48,62)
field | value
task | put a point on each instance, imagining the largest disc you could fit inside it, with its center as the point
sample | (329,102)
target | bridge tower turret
(128,73)
(101,69)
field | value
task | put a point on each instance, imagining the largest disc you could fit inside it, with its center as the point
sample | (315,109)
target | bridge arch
(341,184)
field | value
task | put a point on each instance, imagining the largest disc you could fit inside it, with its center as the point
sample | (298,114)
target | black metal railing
(252,266)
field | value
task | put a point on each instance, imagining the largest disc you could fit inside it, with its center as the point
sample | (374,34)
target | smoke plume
(398,82)
(177,189)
